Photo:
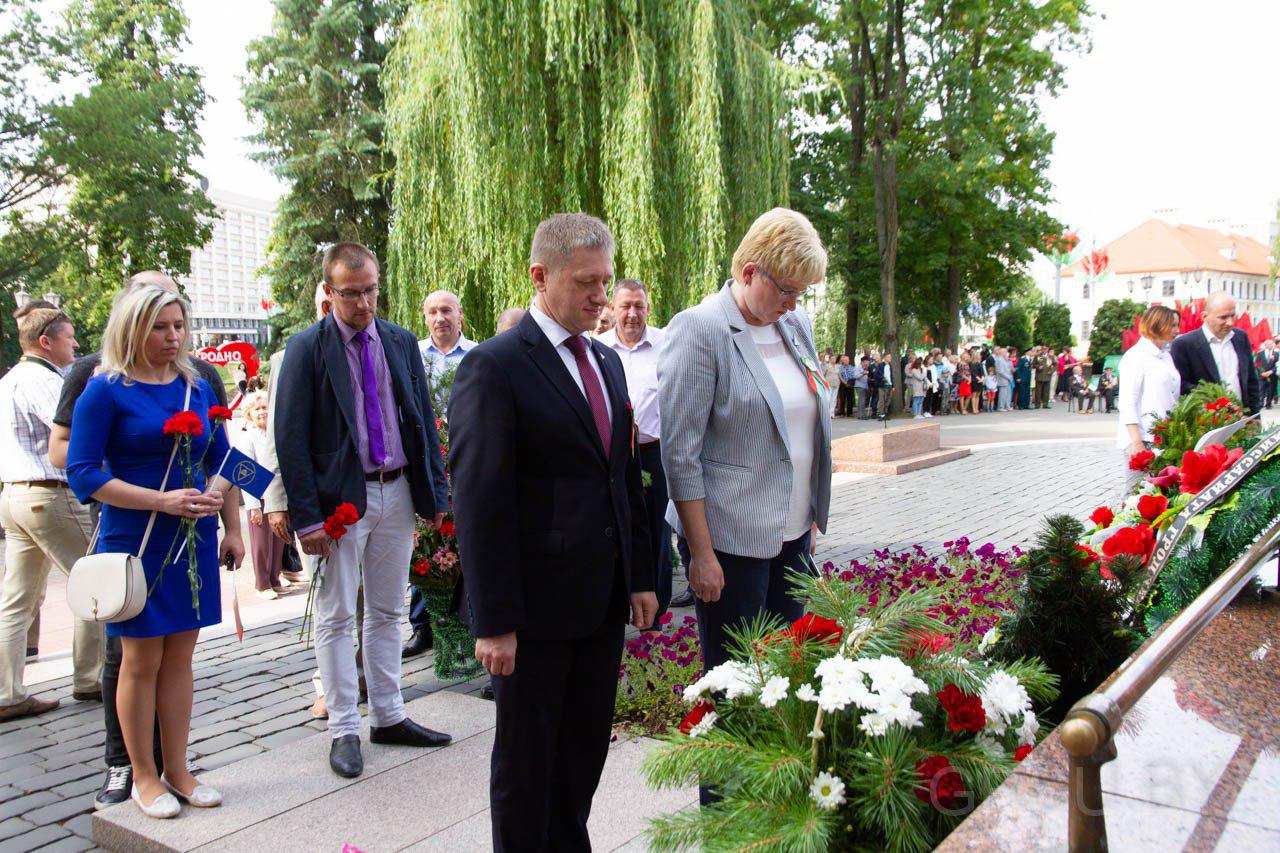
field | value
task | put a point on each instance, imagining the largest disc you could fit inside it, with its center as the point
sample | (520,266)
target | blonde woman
(118,427)
(746,431)
(1149,385)
(267,548)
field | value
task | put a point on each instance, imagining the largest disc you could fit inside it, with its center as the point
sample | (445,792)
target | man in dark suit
(553,537)
(355,424)
(1265,364)
(1219,353)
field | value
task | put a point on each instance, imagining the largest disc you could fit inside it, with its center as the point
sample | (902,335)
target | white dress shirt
(640,363)
(28,399)
(1149,388)
(557,334)
(1224,355)
(433,354)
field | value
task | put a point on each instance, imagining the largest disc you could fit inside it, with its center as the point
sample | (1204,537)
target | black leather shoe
(684,599)
(345,757)
(408,733)
(418,643)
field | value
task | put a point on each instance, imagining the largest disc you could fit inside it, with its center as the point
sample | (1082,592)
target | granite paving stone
(34,840)
(60,811)
(21,805)
(14,826)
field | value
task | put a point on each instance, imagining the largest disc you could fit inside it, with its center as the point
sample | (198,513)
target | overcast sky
(1168,115)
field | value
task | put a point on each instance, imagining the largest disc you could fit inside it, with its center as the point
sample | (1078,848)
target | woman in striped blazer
(746,431)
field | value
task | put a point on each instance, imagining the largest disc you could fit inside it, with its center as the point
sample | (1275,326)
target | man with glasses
(355,425)
(43,521)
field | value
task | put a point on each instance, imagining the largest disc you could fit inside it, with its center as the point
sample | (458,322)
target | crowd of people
(970,381)
(586,444)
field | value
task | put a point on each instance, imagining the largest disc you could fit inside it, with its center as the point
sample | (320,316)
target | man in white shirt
(1217,353)
(637,344)
(43,521)
(446,345)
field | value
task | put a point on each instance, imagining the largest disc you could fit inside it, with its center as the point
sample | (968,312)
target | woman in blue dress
(118,456)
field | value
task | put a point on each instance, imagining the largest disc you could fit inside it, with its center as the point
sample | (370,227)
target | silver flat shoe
(164,807)
(203,797)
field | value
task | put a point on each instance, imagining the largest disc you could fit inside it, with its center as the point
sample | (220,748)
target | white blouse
(1149,388)
(801,408)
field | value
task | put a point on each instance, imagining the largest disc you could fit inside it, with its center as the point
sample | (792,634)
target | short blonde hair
(134,312)
(1159,321)
(786,245)
(254,399)
(560,235)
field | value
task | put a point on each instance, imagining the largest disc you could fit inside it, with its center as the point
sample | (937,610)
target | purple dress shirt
(386,399)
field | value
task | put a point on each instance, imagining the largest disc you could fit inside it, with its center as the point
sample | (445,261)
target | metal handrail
(1088,732)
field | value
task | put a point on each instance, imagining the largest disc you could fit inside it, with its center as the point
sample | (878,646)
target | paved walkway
(254,697)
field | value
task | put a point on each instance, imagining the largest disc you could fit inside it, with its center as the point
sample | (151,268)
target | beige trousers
(42,526)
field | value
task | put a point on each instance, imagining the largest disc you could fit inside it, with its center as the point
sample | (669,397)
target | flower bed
(656,668)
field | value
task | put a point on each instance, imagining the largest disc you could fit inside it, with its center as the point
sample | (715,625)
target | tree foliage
(313,85)
(126,146)
(1012,328)
(1053,326)
(1114,318)
(663,117)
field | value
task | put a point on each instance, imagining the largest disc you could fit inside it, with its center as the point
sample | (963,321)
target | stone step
(287,799)
(902,465)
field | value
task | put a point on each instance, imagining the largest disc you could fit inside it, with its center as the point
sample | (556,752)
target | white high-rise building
(229,297)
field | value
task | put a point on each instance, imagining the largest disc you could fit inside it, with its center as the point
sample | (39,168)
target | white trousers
(379,546)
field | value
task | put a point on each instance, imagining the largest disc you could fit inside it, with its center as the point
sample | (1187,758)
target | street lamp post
(1147,281)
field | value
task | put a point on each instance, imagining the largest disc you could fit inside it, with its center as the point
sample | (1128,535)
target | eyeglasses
(784,292)
(355,295)
(51,322)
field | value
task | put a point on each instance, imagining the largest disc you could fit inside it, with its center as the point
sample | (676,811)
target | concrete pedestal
(894,450)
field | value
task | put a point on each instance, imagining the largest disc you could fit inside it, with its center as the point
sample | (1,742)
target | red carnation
(964,712)
(335,529)
(695,716)
(1140,460)
(1167,478)
(447,529)
(811,627)
(1021,752)
(185,422)
(1218,404)
(941,785)
(1102,517)
(346,514)
(1151,507)
(1136,541)
(422,566)
(927,642)
(219,413)
(1201,469)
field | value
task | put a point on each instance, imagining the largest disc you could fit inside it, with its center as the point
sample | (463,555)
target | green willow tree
(313,86)
(127,146)
(664,117)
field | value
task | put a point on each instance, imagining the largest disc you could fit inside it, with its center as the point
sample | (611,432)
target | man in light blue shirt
(442,352)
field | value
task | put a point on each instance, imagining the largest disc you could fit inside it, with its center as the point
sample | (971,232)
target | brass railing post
(1089,745)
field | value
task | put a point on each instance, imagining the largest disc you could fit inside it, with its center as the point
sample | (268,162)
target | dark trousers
(844,401)
(115,753)
(751,586)
(1268,392)
(555,717)
(1109,396)
(873,402)
(655,506)
(1042,393)
(419,618)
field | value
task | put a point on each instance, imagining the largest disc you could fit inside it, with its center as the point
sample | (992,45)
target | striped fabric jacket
(724,431)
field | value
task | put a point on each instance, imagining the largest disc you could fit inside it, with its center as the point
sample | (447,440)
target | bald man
(1218,352)
(446,345)
(510,318)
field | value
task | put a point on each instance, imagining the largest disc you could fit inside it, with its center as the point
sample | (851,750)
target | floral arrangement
(1206,408)
(976,585)
(335,527)
(656,668)
(858,726)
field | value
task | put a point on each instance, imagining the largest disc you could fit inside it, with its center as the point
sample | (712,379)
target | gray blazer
(724,432)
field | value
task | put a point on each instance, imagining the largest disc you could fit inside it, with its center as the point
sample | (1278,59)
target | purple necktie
(372,409)
(591,384)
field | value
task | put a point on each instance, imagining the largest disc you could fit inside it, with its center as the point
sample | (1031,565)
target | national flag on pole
(241,471)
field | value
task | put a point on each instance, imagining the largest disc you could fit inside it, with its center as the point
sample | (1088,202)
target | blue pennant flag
(239,470)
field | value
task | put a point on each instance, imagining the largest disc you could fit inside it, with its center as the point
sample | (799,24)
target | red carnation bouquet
(335,527)
(185,426)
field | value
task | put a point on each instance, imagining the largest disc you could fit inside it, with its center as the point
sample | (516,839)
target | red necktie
(591,384)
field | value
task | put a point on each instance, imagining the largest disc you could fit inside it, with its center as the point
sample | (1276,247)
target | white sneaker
(283,583)
(927,415)
(268,594)
(163,807)
(202,797)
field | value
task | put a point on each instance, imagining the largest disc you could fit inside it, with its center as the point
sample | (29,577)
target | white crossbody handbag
(113,587)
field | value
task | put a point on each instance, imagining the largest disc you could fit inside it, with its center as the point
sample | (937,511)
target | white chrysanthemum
(1029,729)
(874,724)
(896,708)
(704,725)
(1004,699)
(989,745)
(806,693)
(988,640)
(696,691)
(835,696)
(891,675)
(827,791)
(774,690)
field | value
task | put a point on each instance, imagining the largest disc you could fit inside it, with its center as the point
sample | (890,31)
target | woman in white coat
(1149,385)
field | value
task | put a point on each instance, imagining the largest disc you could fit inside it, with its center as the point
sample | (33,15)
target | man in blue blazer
(553,536)
(354,424)
(1219,353)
